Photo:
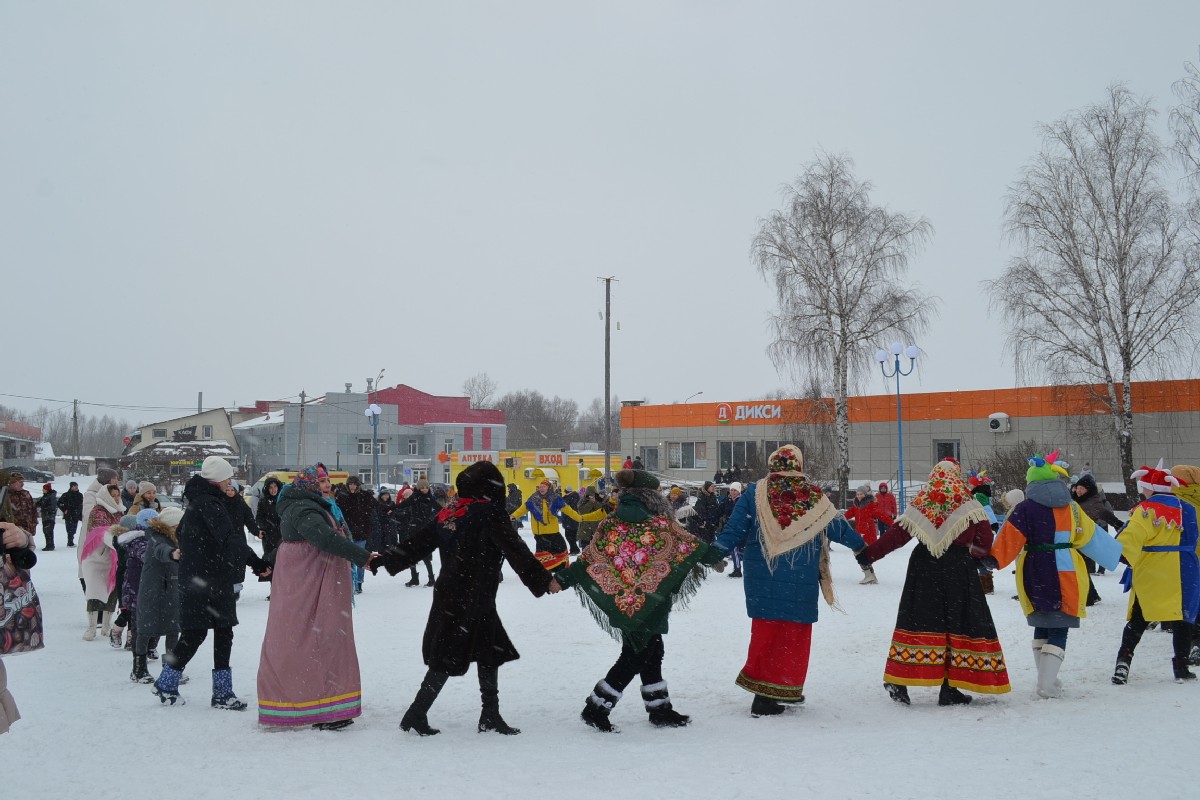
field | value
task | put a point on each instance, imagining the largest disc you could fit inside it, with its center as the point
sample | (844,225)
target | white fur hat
(171,516)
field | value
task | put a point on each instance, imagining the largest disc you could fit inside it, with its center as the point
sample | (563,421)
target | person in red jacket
(887,502)
(865,513)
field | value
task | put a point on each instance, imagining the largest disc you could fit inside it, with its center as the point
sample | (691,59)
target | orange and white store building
(690,442)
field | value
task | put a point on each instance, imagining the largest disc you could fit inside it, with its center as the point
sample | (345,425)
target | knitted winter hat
(309,478)
(636,479)
(1012,498)
(128,522)
(171,516)
(146,486)
(1158,480)
(105,476)
(216,469)
(144,516)
(865,488)
(46,488)
(1046,468)
(736,486)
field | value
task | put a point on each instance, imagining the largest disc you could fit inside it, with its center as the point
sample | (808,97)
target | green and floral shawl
(635,567)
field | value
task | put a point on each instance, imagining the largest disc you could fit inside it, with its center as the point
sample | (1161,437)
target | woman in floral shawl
(639,561)
(785,524)
(944,632)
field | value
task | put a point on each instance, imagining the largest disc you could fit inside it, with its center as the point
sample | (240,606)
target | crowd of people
(151,573)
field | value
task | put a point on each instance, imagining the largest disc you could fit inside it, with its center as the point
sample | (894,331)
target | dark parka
(267,518)
(71,504)
(158,591)
(47,506)
(708,515)
(213,557)
(359,510)
(475,537)
(416,512)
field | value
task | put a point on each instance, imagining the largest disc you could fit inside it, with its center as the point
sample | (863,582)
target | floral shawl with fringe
(636,566)
(942,510)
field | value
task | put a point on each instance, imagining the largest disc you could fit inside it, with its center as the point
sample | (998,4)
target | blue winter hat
(128,522)
(144,516)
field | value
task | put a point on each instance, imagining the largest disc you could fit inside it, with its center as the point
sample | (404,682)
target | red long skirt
(777,663)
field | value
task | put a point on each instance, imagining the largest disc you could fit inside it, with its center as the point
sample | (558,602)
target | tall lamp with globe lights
(372,413)
(893,354)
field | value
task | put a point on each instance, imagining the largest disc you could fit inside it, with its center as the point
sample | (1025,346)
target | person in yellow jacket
(1163,579)
(1188,490)
(543,508)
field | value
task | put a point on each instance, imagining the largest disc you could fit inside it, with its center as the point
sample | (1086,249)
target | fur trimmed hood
(163,529)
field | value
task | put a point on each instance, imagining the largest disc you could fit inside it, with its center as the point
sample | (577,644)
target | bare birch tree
(1185,122)
(481,388)
(839,263)
(1102,290)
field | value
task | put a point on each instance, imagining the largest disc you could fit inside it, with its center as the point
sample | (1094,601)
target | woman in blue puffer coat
(785,524)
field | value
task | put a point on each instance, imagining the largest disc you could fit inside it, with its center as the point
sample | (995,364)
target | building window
(364,447)
(448,446)
(770,446)
(364,475)
(946,448)
(158,433)
(413,447)
(207,432)
(419,472)
(446,473)
(687,455)
(739,454)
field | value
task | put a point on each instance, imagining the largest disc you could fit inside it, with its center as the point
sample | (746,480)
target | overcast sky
(250,199)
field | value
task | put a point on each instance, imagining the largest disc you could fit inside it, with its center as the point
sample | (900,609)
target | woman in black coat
(267,518)
(213,556)
(474,536)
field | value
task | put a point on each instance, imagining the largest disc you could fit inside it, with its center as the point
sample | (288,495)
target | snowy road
(88,732)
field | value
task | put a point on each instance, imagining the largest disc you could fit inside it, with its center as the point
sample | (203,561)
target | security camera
(998,422)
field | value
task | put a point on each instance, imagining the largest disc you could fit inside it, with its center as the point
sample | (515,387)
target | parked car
(32,475)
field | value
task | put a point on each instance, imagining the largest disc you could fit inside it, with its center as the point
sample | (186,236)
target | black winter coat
(47,506)
(267,518)
(359,510)
(474,537)
(213,556)
(71,504)
(414,513)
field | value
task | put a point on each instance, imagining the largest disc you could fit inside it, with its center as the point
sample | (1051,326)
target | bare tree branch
(1104,287)
(837,264)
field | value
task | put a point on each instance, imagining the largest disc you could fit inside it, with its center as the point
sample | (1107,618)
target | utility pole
(607,373)
(300,441)
(75,433)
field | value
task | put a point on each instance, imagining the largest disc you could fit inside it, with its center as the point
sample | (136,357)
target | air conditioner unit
(998,422)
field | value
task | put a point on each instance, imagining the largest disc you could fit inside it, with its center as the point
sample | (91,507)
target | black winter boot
(765,707)
(1121,672)
(658,705)
(898,693)
(140,674)
(599,705)
(489,693)
(416,719)
(949,696)
(1180,668)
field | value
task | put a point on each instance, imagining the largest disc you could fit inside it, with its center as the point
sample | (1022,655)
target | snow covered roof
(212,447)
(271,418)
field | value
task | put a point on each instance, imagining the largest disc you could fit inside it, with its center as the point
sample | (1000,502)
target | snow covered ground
(88,732)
